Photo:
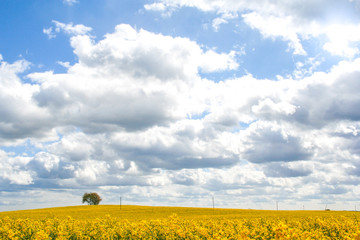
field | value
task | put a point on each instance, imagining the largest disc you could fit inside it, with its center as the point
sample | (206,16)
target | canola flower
(178,228)
(291,226)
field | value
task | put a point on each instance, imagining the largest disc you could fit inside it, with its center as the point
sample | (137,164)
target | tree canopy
(91,198)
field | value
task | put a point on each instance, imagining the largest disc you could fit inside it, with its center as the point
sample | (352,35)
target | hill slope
(146,213)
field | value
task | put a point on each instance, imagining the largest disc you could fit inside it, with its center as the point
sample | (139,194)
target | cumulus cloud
(156,55)
(121,109)
(70,2)
(288,170)
(70,29)
(272,27)
(21,117)
(13,170)
(133,110)
(217,22)
(213,61)
(291,21)
(343,40)
(269,143)
(335,91)
(145,74)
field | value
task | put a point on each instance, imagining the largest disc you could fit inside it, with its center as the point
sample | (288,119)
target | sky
(174,102)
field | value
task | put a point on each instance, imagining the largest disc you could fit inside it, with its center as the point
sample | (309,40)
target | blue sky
(173,102)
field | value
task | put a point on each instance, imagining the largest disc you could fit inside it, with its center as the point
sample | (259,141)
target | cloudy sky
(172,102)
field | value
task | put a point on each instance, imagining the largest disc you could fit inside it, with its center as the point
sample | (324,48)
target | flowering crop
(298,225)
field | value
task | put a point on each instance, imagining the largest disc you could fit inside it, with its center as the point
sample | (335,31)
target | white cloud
(21,117)
(133,114)
(267,106)
(263,138)
(70,2)
(343,40)
(148,75)
(155,6)
(64,64)
(12,170)
(182,56)
(272,27)
(150,78)
(70,29)
(217,22)
(49,32)
(213,61)
(306,68)
(92,172)
(291,21)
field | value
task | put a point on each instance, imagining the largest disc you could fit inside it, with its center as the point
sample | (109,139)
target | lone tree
(91,198)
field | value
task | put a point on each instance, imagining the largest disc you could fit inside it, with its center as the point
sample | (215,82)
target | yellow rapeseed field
(137,222)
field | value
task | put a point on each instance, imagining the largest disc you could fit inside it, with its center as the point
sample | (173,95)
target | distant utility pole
(277,206)
(120,203)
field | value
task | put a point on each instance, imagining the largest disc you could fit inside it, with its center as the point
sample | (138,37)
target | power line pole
(120,203)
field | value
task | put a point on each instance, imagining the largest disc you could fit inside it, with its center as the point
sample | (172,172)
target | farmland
(140,222)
